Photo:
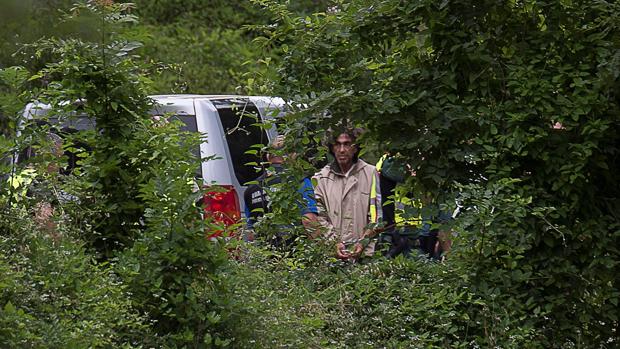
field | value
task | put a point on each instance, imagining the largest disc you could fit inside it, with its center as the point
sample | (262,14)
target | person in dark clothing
(393,242)
(426,234)
(391,172)
(257,200)
(434,238)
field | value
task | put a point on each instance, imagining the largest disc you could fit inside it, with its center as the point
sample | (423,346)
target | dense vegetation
(509,108)
(512,106)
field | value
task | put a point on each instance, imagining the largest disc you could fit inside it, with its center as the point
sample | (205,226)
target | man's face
(344,150)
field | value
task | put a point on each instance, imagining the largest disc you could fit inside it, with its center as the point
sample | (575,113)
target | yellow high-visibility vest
(21,181)
(401,201)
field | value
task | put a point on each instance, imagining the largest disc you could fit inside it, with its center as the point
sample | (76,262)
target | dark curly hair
(343,128)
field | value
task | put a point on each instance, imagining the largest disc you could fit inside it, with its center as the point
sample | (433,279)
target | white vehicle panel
(215,171)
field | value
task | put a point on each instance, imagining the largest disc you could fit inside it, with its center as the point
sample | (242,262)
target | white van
(229,123)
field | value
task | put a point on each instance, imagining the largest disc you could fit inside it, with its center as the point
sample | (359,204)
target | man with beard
(348,198)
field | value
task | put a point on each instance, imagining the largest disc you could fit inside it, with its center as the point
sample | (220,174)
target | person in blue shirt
(257,201)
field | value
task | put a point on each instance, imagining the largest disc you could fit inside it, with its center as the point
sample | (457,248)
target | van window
(77,123)
(190,125)
(239,119)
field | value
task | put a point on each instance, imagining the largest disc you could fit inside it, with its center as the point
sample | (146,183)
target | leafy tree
(22,22)
(172,268)
(52,293)
(208,61)
(208,44)
(515,104)
(25,22)
(216,14)
(134,216)
(106,84)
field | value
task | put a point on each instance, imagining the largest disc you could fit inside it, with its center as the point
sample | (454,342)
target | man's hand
(444,244)
(311,223)
(357,250)
(342,252)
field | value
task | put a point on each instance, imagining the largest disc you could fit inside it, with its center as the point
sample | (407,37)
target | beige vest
(344,202)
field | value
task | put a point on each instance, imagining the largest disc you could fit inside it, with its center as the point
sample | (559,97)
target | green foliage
(195,13)
(104,81)
(209,61)
(23,22)
(316,302)
(12,100)
(133,200)
(172,268)
(213,14)
(205,43)
(512,105)
(52,295)
(210,44)
(506,251)
(518,97)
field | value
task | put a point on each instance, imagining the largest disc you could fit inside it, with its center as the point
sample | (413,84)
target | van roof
(196,96)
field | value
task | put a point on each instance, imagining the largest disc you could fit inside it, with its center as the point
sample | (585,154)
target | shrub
(53,295)
(172,268)
(308,300)
(209,61)
(516,99)
(134,206)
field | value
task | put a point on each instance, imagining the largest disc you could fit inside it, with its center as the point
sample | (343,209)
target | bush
(208,61)
(511,105)
(172,268)
(134,207)
(53,295)
(308,300)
